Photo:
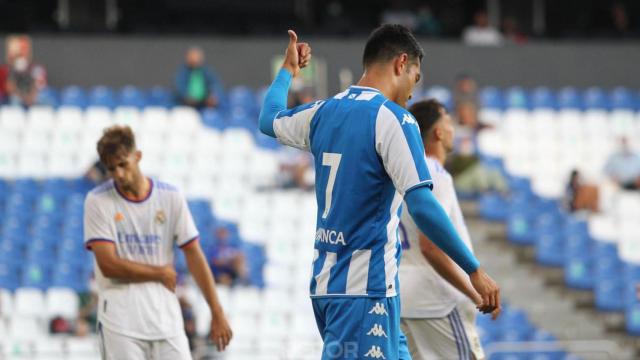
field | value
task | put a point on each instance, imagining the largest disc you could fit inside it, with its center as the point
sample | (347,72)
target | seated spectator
(465,91)
(4,74)
(623,166)
(296,170)
(580,196)
(24,78)
(228,263)
(481,33)
(196,85)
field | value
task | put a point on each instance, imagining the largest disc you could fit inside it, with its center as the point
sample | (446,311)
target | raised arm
(114,267)
(296,58)
(221,333)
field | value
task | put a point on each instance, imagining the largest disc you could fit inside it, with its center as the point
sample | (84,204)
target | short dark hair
(115,141)
(389,41)
(427,113)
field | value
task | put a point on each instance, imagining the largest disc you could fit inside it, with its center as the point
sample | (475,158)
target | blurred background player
(132,224)
(438,301)
(368,156)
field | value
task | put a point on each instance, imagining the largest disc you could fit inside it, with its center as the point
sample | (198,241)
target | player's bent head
(389,41)
(117,144)
(428,113)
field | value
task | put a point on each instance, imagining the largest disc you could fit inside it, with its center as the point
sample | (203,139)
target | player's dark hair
(389,41)
(427,113)
(116,140)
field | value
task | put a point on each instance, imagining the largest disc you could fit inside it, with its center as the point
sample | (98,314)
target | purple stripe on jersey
(189,242)
(88,243)
(135,201)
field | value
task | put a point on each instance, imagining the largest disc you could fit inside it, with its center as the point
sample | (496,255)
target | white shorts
(449,338)
(115,346)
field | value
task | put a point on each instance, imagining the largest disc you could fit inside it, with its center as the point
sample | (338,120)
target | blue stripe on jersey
(363,215)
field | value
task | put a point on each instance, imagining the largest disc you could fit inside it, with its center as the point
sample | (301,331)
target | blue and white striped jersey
(368,154)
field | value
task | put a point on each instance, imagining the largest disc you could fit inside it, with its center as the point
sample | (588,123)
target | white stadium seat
(69,117)
(62,302)
(41,117)
(12,117)
(29,302)
(6,304)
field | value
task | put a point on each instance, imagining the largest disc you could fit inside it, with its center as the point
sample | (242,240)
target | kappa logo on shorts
(377,330)
(378,309)
(375,352)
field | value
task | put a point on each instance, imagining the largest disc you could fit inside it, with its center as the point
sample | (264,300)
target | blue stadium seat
(159,96)
(569,98)
(631,282)
(9,275)
(102,96)
(26,187)
(632,319)
(491,98)
(492,207)
(545,336)
(36,275)
(578,259)
(131,96)
(213,118)
(543,98)
(74,96)
(48,96)
(243,97)
(623,98)
(516,97)
(514,325)
(608,279)
(442,94)
(595,98)
(550,248)
(519,229)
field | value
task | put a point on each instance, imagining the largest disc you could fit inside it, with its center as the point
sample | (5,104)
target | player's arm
(432,220)
(297,57)
(221,332)
(446,268)
(114,267)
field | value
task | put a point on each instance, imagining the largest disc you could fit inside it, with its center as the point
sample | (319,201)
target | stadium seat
(73,96)
(159,96)
(27,329)
(491,97)
(40,118)
(623,98)
(517,97)
(131,96)
(543,98)
(213,118)
(62,302)
(48,96)
(595,98)
(29,302)
(102,96)
(442,94)
(569,98)
(12,117)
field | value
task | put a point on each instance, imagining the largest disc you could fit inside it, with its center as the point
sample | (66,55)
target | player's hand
(488,290)
(221,333)
(297,56)
(168,277)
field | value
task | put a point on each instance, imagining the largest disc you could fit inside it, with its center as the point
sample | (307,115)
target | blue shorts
(360,328)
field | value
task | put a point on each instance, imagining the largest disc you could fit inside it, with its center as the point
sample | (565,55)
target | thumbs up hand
(297,56)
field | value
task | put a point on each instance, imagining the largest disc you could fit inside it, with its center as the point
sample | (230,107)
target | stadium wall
(148,61)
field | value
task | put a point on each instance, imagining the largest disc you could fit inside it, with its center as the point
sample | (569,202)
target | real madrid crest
(160,217)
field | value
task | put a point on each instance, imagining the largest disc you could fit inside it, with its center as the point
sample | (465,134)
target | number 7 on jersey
(333,161)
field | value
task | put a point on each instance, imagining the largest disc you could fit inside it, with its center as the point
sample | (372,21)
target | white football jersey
(144,232)
(424,293)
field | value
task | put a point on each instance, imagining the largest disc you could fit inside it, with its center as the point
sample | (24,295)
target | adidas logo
(378,309)
(377,330)
(375,353)
(408,119)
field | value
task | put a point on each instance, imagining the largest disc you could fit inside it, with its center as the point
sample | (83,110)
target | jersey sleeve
(399,145)
(185,228)
(97,225)
(292,126)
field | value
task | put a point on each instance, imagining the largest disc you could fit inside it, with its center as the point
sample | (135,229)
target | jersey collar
(365,88)
(122,195)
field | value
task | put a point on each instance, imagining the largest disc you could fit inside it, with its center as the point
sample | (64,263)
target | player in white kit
(131,224)
(438,302)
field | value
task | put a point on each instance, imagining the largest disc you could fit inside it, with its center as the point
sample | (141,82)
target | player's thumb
(293,38)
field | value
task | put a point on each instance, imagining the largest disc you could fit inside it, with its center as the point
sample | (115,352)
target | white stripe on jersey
(322,279)
(358,275)
(294,130)
(395,152)
(390,261)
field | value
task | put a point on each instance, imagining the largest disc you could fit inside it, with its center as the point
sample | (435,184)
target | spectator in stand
(481,33)
(196,84)
(427,23)
(623,166)
(296,170)
(580,196)
(24,78)
(512,32)
(228,263)
(466,90)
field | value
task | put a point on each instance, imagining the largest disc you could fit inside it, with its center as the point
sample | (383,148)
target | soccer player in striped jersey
(368,157)
(438,301)
(131,223)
